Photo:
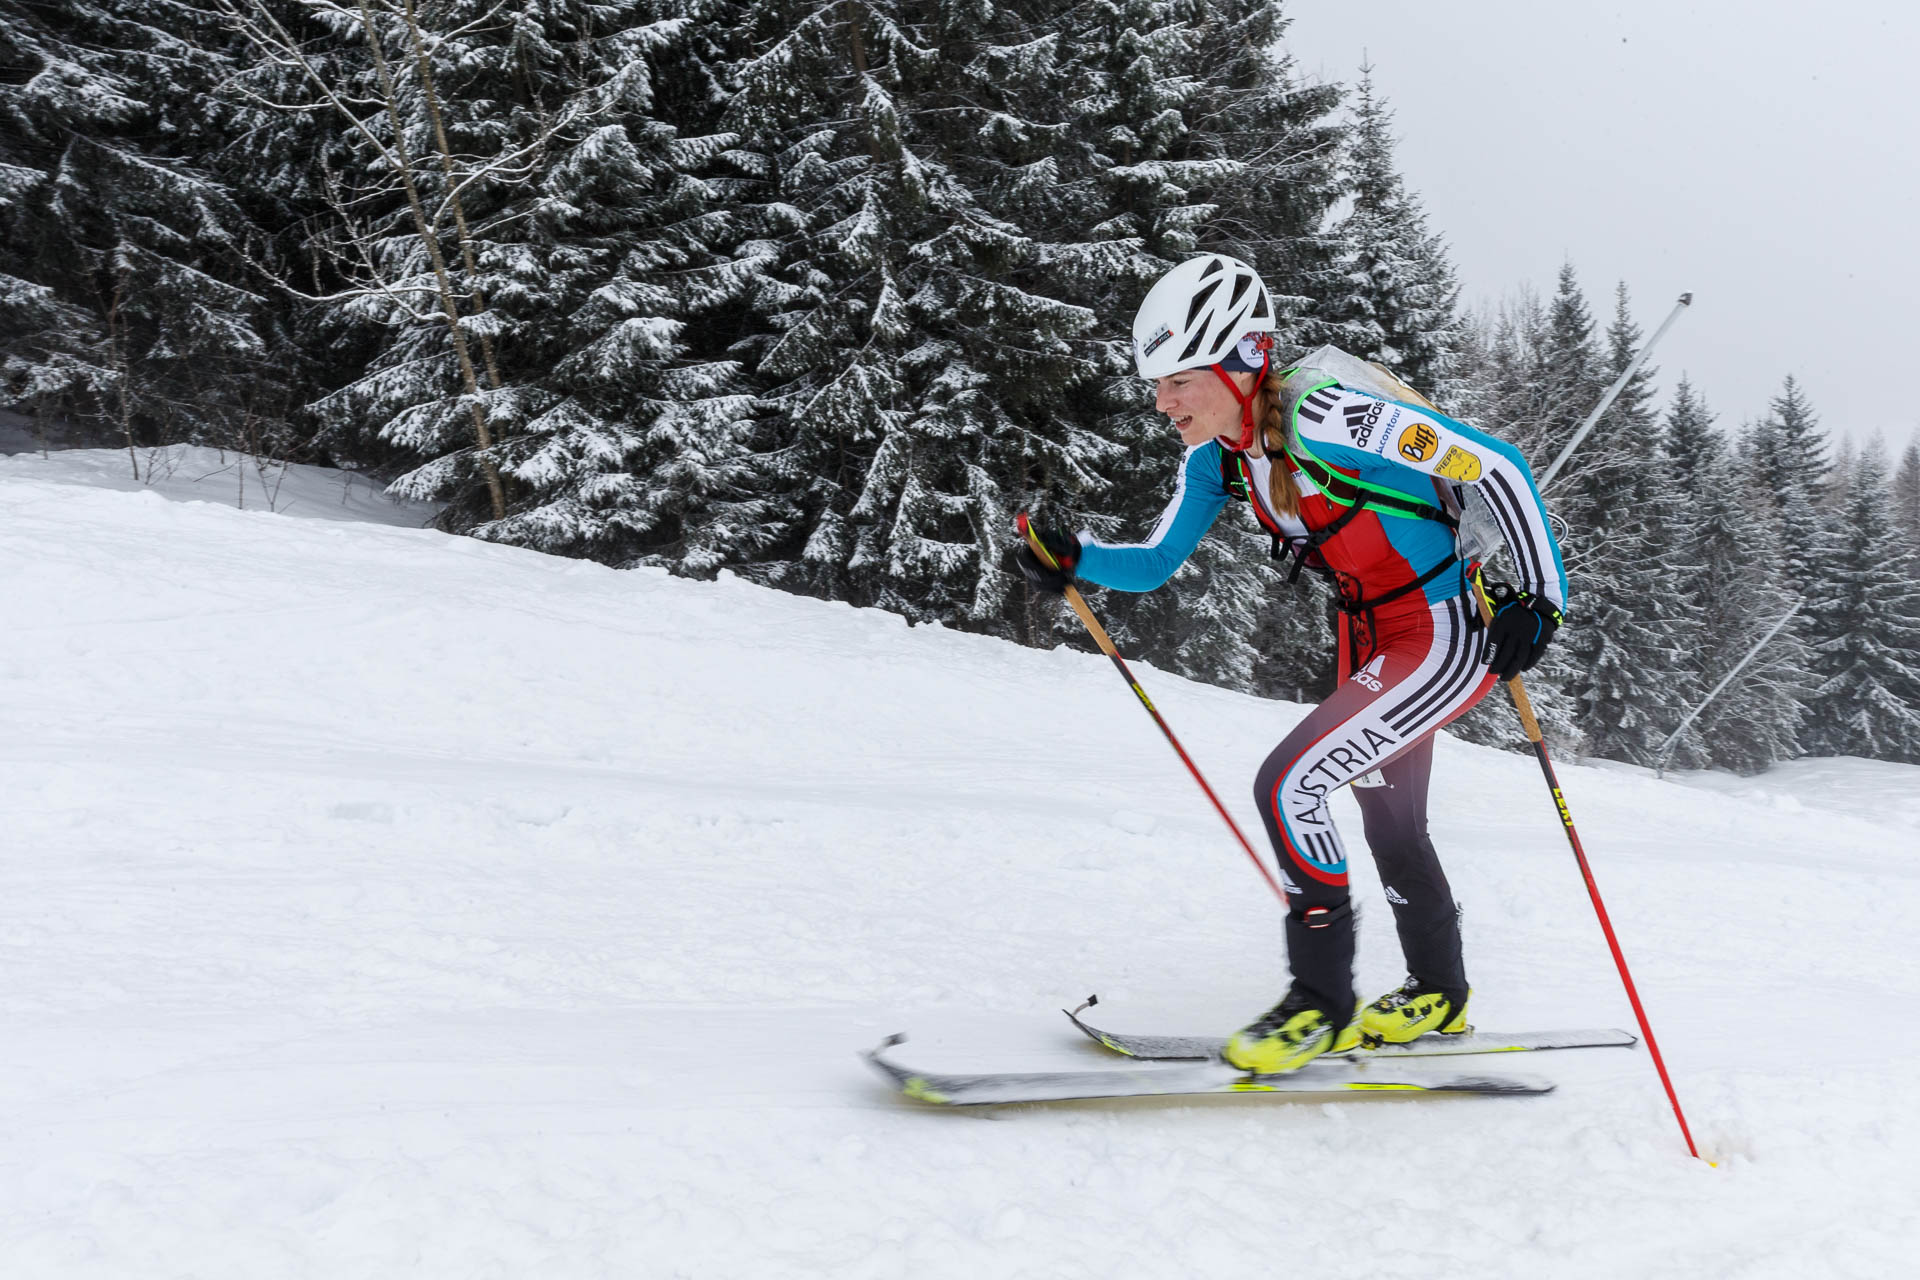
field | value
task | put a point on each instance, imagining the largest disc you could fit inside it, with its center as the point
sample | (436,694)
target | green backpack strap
(1344,490)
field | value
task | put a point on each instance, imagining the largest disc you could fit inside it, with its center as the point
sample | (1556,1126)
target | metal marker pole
(1666,748)
(1606,401)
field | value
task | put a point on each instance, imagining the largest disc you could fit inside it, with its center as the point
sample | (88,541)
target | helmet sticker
(1250,354)
(1159,340)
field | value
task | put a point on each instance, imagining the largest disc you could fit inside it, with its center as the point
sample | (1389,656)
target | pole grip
(1529,724)
(1072,593)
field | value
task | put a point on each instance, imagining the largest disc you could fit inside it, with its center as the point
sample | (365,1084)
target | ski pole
(1101,638)
(1531,724)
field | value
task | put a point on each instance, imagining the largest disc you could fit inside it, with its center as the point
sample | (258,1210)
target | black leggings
(1424,669)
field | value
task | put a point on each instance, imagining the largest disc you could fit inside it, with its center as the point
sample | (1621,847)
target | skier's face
(1200,405)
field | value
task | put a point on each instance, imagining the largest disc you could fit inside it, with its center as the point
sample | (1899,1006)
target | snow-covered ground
(378,903)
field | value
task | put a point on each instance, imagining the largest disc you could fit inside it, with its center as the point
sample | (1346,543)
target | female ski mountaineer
(1364,491)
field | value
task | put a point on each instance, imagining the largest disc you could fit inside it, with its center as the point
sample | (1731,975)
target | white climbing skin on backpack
(1479,532)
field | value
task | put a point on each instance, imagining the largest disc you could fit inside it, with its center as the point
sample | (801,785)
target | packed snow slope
(379,903)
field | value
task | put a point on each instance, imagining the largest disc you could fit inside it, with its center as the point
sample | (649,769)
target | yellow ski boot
(1412,1011)
(1288,1036)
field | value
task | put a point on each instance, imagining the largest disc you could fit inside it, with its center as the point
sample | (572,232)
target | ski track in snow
(381,903)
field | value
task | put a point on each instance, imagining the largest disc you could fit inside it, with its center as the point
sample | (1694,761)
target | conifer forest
(822,292)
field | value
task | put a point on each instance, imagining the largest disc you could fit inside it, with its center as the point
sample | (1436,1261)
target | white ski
(1338,1076)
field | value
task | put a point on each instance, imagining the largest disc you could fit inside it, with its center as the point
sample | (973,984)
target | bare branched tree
(364,256)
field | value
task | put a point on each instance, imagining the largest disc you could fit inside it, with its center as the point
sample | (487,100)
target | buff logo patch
(1157,341)
(1419,442)
(1458,464)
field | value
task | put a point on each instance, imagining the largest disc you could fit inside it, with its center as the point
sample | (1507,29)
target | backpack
(1476,532)
(1456,506)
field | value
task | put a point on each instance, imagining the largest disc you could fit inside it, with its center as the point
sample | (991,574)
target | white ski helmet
(1197,313)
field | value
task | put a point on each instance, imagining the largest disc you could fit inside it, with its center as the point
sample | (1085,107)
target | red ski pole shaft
(1101,638)
(1528,722)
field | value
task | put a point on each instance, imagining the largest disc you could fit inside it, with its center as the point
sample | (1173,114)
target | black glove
(1522,625)
(1063,548)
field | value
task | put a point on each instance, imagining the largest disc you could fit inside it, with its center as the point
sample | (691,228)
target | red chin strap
(1245,402)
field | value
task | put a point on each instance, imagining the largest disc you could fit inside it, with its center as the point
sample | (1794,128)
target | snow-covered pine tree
(1532,373)
(1906,494)
(1214,144)
(620,284)
(1531,369)
(919,344)
(1759,449)
(1692,439)
(127,302)
(1525,371)
(1692,450)
(967,205)
(1803,448)
(1258,111)
(523,240)
(1630,682)
(1399,296)
(1113,202)
(1572,374)
(1125,198)
(1868,654)
(1787,449)
(1729,583)
(1247,166)
(1787,455)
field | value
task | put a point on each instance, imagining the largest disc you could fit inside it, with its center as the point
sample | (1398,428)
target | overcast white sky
(1764,155)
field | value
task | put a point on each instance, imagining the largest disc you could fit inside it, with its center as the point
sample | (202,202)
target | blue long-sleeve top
(1375,442)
